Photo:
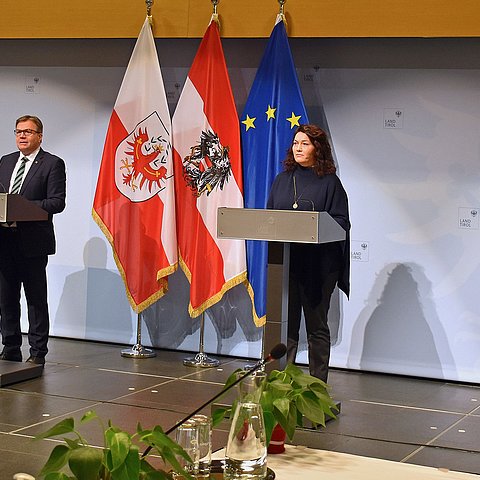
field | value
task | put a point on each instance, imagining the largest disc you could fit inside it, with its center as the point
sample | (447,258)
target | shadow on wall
(93,303)
(232,311)
(399,331)
(168,321)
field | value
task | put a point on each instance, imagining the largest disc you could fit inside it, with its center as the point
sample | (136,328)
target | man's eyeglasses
(27,132)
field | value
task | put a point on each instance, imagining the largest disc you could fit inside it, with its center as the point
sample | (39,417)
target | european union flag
(274,108)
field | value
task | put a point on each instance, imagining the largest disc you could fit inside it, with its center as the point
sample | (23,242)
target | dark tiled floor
(402,419)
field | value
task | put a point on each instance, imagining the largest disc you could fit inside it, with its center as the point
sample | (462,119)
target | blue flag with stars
(274,108)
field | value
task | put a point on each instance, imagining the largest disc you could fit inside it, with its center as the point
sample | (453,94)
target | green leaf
(270,422)
(282,405)
(171,459)
(232,379)
(57,460)
(90,415)
(326,401)
(166,448)
(279,387)
(158,439)
(130,468)
(277,374)
(85,462)
(72,443)
(141,431)
(61,428)
(310,406)
(301,378)
(267,401)
(287,422)
(119,444)
(219,414)
(145,466)
(320,389)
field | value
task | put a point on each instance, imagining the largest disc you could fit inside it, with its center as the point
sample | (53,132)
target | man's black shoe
(15,356)
(36,360)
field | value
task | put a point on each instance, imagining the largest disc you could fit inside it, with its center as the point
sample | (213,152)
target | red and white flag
(208,175)
(134,201)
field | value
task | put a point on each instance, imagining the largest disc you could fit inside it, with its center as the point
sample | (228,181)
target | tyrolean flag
(134,201)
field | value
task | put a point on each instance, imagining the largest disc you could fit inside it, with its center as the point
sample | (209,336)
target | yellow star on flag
(248,122)
(294,120)
(270,112)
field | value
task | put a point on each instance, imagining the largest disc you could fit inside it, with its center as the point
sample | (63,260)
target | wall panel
(241,18)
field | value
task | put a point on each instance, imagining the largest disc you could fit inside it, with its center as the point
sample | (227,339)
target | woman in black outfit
(310,183)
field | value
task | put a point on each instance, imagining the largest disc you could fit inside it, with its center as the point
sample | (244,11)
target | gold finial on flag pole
(215,14)
(281,13)
(149,4)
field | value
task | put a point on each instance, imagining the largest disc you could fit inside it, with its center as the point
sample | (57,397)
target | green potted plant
(119,459)
(289,397)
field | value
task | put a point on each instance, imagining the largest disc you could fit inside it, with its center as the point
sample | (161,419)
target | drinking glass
(195,437)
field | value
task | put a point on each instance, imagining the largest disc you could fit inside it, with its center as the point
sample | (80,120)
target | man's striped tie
(19,176)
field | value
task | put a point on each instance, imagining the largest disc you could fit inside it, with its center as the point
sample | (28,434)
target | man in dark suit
(40,177)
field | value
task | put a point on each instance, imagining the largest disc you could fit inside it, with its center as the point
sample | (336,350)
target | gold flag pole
(281,13)
(138,350)
(201,359)
(215,14)
(149,4)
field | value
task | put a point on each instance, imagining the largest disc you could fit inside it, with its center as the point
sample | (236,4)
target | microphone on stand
(277,352)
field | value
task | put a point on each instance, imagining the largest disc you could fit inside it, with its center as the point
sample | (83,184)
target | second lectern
(15,208)
(279,228)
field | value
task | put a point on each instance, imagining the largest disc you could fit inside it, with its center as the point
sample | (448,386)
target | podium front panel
(15,208)
(278,225)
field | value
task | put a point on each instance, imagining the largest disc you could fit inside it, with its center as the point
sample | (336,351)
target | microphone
(307,200)
(277,352)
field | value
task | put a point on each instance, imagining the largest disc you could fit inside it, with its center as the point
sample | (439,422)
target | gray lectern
(15,208)
(274,226)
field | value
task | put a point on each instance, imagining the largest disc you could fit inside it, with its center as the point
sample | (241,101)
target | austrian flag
(134,202)
(208,175)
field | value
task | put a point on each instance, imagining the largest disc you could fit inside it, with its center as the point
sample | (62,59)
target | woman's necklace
(295,198)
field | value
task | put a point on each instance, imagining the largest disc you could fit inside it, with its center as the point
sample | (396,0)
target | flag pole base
(138,351)
(201,360)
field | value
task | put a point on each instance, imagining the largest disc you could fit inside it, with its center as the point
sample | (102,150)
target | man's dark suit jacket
(44,184)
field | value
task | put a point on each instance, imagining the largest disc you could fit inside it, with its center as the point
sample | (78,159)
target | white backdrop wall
(407,144)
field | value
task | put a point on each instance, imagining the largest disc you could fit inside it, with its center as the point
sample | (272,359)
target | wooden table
(304,463)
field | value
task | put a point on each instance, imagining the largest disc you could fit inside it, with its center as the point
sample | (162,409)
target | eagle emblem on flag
(208,166)
(142,160)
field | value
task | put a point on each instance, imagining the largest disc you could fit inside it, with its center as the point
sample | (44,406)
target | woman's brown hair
(324,163)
